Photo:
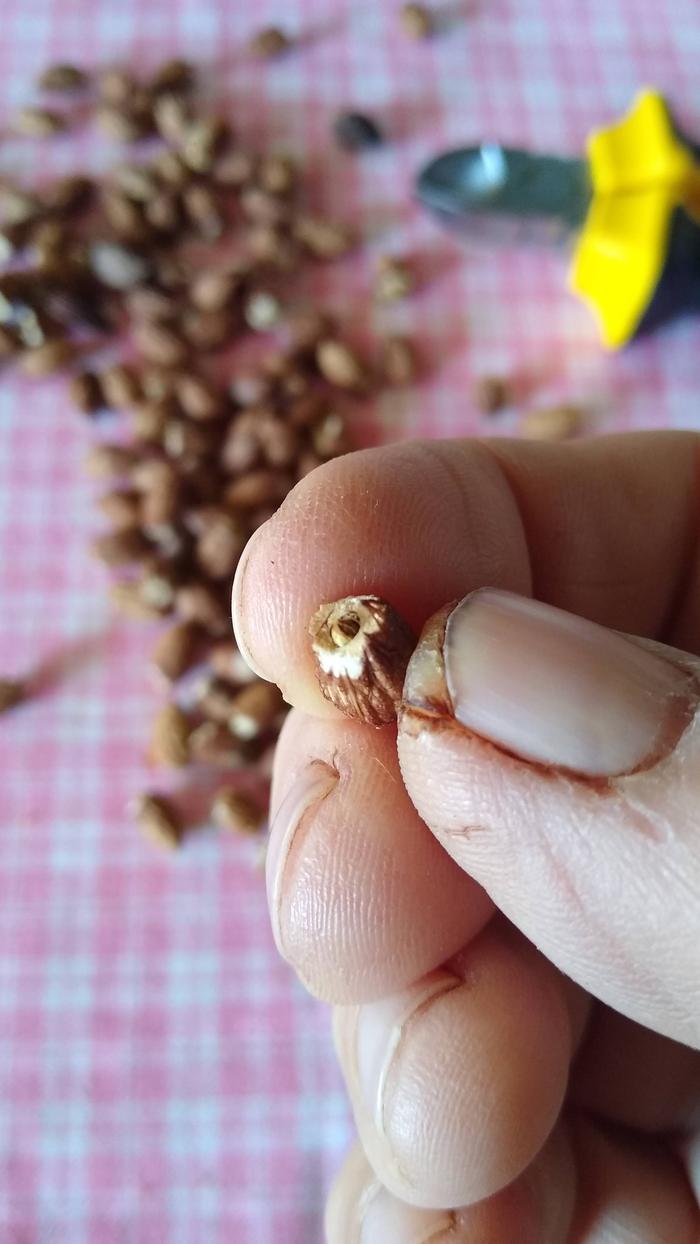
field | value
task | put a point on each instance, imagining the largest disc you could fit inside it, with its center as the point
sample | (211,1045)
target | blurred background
(162,1075)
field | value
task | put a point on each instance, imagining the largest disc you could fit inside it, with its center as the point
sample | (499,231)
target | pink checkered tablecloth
(162,1077)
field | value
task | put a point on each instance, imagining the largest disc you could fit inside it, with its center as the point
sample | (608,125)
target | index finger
(426,522)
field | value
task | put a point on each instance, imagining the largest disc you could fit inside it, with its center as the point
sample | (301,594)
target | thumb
(559,764)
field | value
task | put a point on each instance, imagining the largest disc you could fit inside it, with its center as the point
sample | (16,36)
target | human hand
(517,993)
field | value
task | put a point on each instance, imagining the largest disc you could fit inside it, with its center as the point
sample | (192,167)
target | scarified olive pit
(361,647)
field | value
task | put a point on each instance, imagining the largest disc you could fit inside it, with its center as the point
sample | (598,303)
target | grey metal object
(508,196)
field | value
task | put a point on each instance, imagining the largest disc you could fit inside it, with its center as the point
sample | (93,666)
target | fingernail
(238,614)
(380,1027)
(312,785)
(559,690)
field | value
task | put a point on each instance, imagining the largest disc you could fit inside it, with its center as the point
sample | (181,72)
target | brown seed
(184,439)
(269,43)
(233,169)
(228,663)
(173,75)
(270,244)
(397,362)
(107,460)
(235,811)
(121,387)
(49,239)
(307,410)
(256,488)
(62,77)
(39,122)
(394,280)
(173,117)
(339,365)
(202,141)
(203,210)
(264,208)
(198,398)
(12,692)
(68,194)
(121,508)
(417,21)
(18,207)
(491,393)
(308,327)
(207,330)
(553,423)
(170,735)
(278,439)
(169,168)
(324,239)
(147,303)
(85,392)
(362,648)
(136,181)
(241,449)
(213,290)
(157,382)
(216,699)
(329,437)
(159,344)
(211,743)
(195,602)
(9,345)
(161,491)
(149,420)
(121,548)
(163,212)
(175,651)
(54,355)
(127,598)
(158,820)
(220,545)
(255,710)
(116,86)
(276,174)
(121,125)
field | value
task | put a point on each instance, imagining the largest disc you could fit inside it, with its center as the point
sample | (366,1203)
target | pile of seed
(174,259)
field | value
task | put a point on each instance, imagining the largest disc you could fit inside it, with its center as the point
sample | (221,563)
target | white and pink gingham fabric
(163,1079)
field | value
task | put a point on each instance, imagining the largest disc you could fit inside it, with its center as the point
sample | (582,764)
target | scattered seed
(39,122)
(356,132)
(398,363)
(491,394)
(12,692)
(235,811)
(417,21)
(170,735)
(553,423)
(340,365)
(85,392)
(175,650)
(394,280)
(158,820)
(255,710)
(173,75)
(44,360)
(63,77)
(121,387)
(269,43)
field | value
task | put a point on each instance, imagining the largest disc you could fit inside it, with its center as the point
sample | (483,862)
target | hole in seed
(345,629)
